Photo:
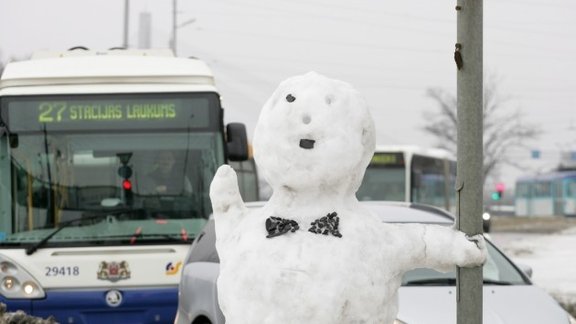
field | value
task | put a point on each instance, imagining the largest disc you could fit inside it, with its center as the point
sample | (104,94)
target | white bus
(411,174)
(88,233)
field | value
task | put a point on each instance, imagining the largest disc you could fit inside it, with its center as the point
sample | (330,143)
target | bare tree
(504,127)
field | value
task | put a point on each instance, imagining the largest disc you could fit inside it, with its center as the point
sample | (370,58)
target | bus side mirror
(13,140)
(237,142)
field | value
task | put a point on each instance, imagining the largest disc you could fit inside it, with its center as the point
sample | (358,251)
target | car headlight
(16,282)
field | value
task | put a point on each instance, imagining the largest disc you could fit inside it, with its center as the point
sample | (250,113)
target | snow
(551,256)
(313,142)
(21,317)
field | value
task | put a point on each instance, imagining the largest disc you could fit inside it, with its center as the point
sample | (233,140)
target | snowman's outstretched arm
(443,248)
(227,204)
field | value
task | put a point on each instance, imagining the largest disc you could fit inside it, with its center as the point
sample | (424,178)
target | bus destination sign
(61,111)
(387,160)
(110,113)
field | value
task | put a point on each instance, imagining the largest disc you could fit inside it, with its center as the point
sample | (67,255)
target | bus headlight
(7,268)
(16,282)
(29,288)
(8,283)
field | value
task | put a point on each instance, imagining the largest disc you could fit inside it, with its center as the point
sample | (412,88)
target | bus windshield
(385,178)
(107,169)
(412,175)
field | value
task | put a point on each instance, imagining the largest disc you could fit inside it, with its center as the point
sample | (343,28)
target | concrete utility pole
(174,25)
(469,61)
(145,30)
(126,22)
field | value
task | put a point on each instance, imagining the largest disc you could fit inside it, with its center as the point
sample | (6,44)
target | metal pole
(469,61)
(174,25)
(126,22)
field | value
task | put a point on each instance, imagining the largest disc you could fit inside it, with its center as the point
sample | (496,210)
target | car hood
(501,305)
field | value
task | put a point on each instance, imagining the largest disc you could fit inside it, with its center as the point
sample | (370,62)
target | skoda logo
(113,298)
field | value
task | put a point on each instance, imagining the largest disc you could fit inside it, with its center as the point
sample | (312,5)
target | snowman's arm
(227,204)
(442,248)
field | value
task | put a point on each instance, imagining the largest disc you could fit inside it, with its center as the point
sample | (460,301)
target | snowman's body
(314,170)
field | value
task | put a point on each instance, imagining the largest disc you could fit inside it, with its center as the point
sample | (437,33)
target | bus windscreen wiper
(33,248)
(134,238)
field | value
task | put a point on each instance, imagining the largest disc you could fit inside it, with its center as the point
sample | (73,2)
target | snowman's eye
(290,98)
(329,99)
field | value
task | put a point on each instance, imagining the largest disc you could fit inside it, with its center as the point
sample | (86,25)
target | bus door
(522,199)
(558,194)
(569,193)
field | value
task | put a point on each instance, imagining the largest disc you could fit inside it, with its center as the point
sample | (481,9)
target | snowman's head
(314,131)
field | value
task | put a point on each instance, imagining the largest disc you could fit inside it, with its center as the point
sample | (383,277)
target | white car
(426,296)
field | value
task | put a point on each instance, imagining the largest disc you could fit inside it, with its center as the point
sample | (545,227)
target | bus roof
(106,67)
(414,149)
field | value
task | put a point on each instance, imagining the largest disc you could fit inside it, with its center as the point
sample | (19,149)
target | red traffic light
(127,185)
(499,193)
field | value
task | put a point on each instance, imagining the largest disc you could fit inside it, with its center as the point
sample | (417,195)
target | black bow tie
(328,224)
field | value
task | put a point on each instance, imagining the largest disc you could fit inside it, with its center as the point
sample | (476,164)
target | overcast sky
(391,51)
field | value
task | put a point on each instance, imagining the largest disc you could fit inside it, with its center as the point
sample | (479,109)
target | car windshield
(497,271)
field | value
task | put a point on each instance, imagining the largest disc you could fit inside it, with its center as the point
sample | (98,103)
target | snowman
(312,253)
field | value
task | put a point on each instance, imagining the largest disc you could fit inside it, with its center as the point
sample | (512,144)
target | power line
(535,3)
(337,43)
(289,13)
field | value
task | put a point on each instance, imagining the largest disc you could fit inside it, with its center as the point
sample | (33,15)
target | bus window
(384,179)
(542,189)
(247,179)
(433,185)
(411,174)
(522,190)
(571,188)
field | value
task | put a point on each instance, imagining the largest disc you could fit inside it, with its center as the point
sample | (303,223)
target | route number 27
(51,111)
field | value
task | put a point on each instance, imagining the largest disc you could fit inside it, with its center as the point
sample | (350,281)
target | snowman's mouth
(307,144)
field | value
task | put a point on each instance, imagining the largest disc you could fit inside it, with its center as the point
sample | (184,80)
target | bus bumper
(102,306)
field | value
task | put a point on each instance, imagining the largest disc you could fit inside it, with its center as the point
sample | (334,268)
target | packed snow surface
(552,257)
